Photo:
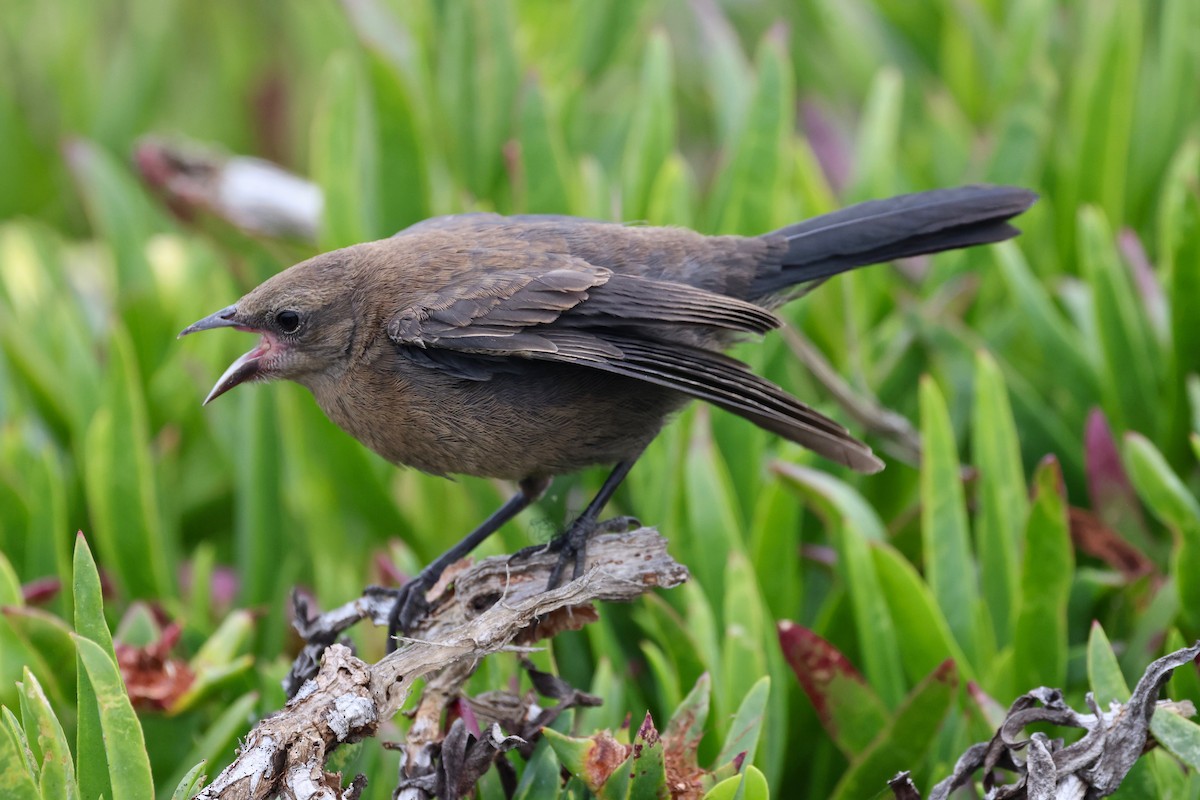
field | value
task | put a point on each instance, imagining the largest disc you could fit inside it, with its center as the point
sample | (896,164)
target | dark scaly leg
(571,544)
(410,598)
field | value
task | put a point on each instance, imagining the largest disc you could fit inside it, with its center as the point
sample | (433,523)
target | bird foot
(617,525)
(409,607)
(571,545)
(555,545)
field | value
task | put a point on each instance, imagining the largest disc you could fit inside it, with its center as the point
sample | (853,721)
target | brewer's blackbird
(528,346)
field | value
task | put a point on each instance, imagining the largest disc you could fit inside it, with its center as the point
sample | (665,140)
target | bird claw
(617,525)
(530,551)
(571,545)
(409,608)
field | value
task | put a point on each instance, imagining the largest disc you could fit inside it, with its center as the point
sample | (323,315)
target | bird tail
(882,230)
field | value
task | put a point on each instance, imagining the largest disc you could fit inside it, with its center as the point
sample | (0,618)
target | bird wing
(581,314)
(499,313)
(723,381)
(512,312)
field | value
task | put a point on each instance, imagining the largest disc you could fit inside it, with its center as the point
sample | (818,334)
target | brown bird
(529,346)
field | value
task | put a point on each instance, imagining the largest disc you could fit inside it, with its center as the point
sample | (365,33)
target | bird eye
(288,321)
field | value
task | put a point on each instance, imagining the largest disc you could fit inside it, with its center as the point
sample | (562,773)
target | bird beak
(247,367)
(225,318)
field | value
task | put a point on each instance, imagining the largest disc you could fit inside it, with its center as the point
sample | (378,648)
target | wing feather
(650,330)
(729,384)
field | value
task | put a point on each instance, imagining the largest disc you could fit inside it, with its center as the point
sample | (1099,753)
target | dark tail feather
(882,230)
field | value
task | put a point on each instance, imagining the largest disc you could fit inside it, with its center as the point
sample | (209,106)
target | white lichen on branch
(492,604)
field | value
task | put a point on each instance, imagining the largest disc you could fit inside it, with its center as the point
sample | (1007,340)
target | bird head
(305,321)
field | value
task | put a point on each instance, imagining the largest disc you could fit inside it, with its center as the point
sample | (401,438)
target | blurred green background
(1067,359)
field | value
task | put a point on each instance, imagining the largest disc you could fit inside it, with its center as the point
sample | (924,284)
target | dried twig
(1092,767)
(893,426)
(492,605)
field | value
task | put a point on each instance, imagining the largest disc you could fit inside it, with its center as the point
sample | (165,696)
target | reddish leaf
(1093,537)
(152,678)
(40,590)
(603,757)
(682,738)
(1111,491)
(848,708)
(1151,291)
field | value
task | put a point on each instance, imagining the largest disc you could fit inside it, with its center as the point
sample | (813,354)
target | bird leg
(411,604)
(571,544)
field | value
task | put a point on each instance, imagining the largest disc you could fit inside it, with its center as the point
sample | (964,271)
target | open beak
(248,366)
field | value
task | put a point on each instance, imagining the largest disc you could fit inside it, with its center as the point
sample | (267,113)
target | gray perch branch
(495,605)
(1051,769)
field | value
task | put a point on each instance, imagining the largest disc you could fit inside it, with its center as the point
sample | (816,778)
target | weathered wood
(495,605)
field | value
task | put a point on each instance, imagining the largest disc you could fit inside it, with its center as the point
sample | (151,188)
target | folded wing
(654,331)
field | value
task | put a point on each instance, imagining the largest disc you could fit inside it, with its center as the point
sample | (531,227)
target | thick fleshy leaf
(477,73)
(649,774)
(672,194)
(261,531)
(190,783)
(906,737)
(652,129)
(747,197)
(750,785)
(119,209)
(1104,673)
(595,760)
(90,757)
(945,537)
(1061,347)
(217,660)
(542,777)
(1184,682)
(853,525)
(1168,499)
(57,778)
(879,134)
(713,516)
(89,597)
(1128,346)
(1113,496)
(743,735)
(743,656)
(1177,252)
(345,155)
(847,706)
(922,633)
(17,778)
(727,71)
(124,755)
(545,182)
(686,728)
(1003,501)
(122,490)
(47,640)
(1040,640)
(1178,735)
(1104,78)
(666,674)
(1181,737)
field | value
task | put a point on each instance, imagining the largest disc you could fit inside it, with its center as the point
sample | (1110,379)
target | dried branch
(1092,767)
(490,607)
(893,426)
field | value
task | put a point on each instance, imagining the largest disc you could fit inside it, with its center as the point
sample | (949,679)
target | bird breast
(526,419)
